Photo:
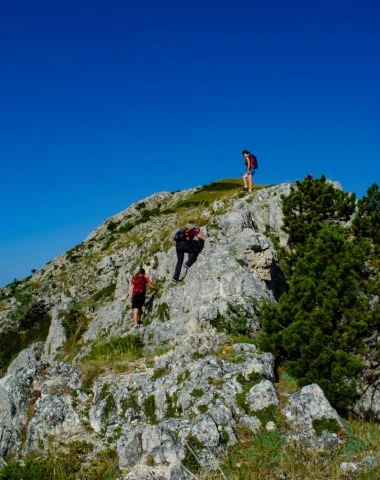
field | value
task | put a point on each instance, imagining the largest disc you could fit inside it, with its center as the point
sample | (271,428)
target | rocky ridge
(196,377)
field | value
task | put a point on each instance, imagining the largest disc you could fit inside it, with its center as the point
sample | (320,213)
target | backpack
(253,160)
(183,234)
(139,285)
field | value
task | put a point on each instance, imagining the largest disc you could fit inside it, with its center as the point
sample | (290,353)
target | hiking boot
(174,280)
(136,327)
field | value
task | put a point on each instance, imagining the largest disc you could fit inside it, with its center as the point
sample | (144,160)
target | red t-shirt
(139,284)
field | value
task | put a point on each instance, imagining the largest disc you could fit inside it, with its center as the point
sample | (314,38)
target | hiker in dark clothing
(185,243)
(138,290)
(251,166)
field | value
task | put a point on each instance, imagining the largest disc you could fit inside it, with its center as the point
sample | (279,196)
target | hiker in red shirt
(138,289)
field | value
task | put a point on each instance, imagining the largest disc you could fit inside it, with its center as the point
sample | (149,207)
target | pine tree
(311,205)
(366,223)
(318,325)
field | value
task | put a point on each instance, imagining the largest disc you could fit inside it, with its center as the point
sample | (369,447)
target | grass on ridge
(117,353)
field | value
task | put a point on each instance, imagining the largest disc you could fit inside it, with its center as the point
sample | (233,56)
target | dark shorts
(138,301)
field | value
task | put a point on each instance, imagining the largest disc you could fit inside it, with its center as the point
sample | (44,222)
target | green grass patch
(158,373)
(150,410)
(247,384)
(106,294)
(74,461)
(127,348)
(163,312)
(182,377)
(197,392)
(329,424)
(191,461)
(174,410)
(268,455)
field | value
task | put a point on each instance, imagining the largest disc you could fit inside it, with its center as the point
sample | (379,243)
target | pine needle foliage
(311,205)
(366,223)
(318,326)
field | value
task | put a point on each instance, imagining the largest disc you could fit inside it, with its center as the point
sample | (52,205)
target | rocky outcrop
(316,422)
(194,386)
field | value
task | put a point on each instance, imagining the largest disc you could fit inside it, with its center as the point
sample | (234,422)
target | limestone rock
(261,396)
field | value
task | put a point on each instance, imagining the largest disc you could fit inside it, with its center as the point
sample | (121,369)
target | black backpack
(182,235)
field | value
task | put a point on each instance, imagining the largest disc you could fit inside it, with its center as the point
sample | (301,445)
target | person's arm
(202,237)
(150,285)
(131,291)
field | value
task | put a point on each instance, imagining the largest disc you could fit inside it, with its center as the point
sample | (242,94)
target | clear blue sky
(104,103)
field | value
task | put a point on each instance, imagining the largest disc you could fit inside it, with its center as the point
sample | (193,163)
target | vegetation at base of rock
(197,392)
(224,437)
(130,402)
(163,312)
(247,384)
(272,456)
(174,409)
(237,317)
(118,348)
(150,410)
(74,322)
(182,377)
(109,406)
(29,322)
(158,373)
(267,414)
(329,424)
(64,463)
(106,294)
(193,447)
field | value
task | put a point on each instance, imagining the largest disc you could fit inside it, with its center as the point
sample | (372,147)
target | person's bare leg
(249,183)
(136,316)
(245,180)
(139,316)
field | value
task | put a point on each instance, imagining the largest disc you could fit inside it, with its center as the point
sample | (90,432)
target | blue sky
(104,103)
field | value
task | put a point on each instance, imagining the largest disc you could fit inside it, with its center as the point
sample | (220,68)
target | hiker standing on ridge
(138,290)
(251,166)
(185,243)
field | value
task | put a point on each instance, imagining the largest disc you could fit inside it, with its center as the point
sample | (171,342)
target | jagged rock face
(200,388)
(35,402)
